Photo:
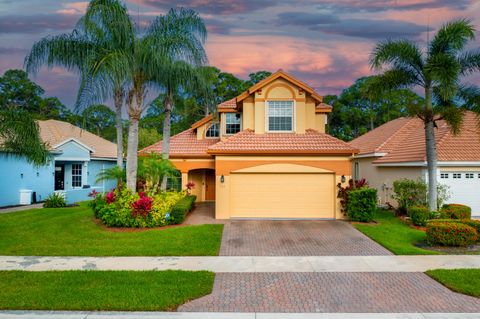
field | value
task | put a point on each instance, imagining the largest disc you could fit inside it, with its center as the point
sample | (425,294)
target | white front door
(464,188)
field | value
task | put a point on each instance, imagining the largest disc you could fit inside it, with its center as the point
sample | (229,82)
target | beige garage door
(284,195)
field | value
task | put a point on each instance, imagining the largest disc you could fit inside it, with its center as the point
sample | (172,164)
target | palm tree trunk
(132,158)
(431,151)
(118,100)
(166,133)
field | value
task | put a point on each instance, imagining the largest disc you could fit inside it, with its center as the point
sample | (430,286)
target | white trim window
(233,123)
(212,131)
(280,116)
(76,175)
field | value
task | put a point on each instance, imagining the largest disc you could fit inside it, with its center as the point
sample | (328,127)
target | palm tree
(173,38)
(98,30)
(20,136)
(438,71)
(154,170)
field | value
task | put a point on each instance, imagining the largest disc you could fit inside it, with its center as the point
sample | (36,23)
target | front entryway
(209,184)
(59,177)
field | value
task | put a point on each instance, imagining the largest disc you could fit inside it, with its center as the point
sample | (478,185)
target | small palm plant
(438,70)
(153,169)
(114,173)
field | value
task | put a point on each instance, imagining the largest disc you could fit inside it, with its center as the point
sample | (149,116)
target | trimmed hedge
(469,222)
(447,233)
(362,204)
(181,209)
(456,211)
(419,215)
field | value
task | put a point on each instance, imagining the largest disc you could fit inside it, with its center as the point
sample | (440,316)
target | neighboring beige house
(396,150)
(265,154)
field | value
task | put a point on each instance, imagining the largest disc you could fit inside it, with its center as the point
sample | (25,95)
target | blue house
(77,156)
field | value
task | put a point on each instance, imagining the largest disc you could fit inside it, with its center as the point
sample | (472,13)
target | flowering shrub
(190,186)
(343,192)
(448,233)
(456,211)
(110,197)
(469,222)
(122,208)
(142,206)
(93,194)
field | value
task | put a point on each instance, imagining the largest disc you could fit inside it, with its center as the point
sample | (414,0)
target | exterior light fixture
(21,175)
(222,179)
(343,179)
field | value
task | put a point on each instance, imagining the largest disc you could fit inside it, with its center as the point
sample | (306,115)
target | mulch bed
(451,250)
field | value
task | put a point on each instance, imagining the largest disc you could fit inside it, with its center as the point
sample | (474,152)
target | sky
(326,43)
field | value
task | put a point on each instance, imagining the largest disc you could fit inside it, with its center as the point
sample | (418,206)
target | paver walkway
(255,264)
(224,315)
(296,238)
(331,292)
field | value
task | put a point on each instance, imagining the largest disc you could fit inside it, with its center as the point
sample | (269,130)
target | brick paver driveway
(296,238)
(331,292)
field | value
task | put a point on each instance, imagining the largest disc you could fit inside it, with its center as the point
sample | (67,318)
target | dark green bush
(419,215)
(456,211)
(362,204)
(55,200)
(448,233)
(181,209)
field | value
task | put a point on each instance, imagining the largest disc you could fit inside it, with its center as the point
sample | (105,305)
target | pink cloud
(73,8)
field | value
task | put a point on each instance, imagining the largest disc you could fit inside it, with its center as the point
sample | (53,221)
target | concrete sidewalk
(257,264)
(209,315)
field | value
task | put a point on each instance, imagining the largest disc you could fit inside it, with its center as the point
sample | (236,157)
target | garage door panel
(463,190)
(282,195)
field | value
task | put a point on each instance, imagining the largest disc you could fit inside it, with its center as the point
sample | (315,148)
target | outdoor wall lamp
(222,179)
(343,179)
(21,175)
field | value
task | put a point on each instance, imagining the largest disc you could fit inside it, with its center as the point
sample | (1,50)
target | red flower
(110,197)
(93,194)
(142,207)
(142,194)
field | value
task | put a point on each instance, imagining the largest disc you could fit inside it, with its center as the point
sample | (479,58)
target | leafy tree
(99,119)
(355,112)
(16,89)
(254,78)
(147,137)
(438,70)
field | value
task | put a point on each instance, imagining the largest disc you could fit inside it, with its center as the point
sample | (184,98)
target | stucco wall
(382,178)
(38,179)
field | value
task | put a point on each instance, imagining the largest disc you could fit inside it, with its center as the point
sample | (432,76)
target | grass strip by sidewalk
(393,234)
(102,290)
(465,281)
(73,232)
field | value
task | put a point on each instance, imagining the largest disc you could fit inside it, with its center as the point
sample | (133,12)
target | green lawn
(72,232)
(102,290)
(465,281)
(394,234)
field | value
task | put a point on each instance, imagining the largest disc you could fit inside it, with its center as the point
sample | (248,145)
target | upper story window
(213,131)
(76,175)
(280,116)
(232,123)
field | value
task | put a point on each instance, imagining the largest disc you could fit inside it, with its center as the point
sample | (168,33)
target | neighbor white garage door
(282,195)
(464,188)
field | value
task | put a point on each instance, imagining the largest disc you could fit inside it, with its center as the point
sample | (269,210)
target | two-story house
(265,154)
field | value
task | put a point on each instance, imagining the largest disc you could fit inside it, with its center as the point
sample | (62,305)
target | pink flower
(110,197)
(142,207)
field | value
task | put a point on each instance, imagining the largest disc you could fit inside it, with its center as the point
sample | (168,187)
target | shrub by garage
(448,233)
(362,204)
(456,211)
(419,215)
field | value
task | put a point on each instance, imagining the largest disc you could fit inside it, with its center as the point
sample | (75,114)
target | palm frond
(452,37)
(444,69)
(470,61)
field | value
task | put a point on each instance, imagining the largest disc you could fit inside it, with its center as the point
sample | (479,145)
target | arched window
(213,131)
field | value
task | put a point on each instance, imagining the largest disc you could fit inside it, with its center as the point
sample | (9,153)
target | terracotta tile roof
(184,144)
(229,105)
(403,140)
(199,123)
(324,107)
(54,132)
(312,142)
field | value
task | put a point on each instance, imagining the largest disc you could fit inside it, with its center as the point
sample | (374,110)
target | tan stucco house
(265,154)
(396,150)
